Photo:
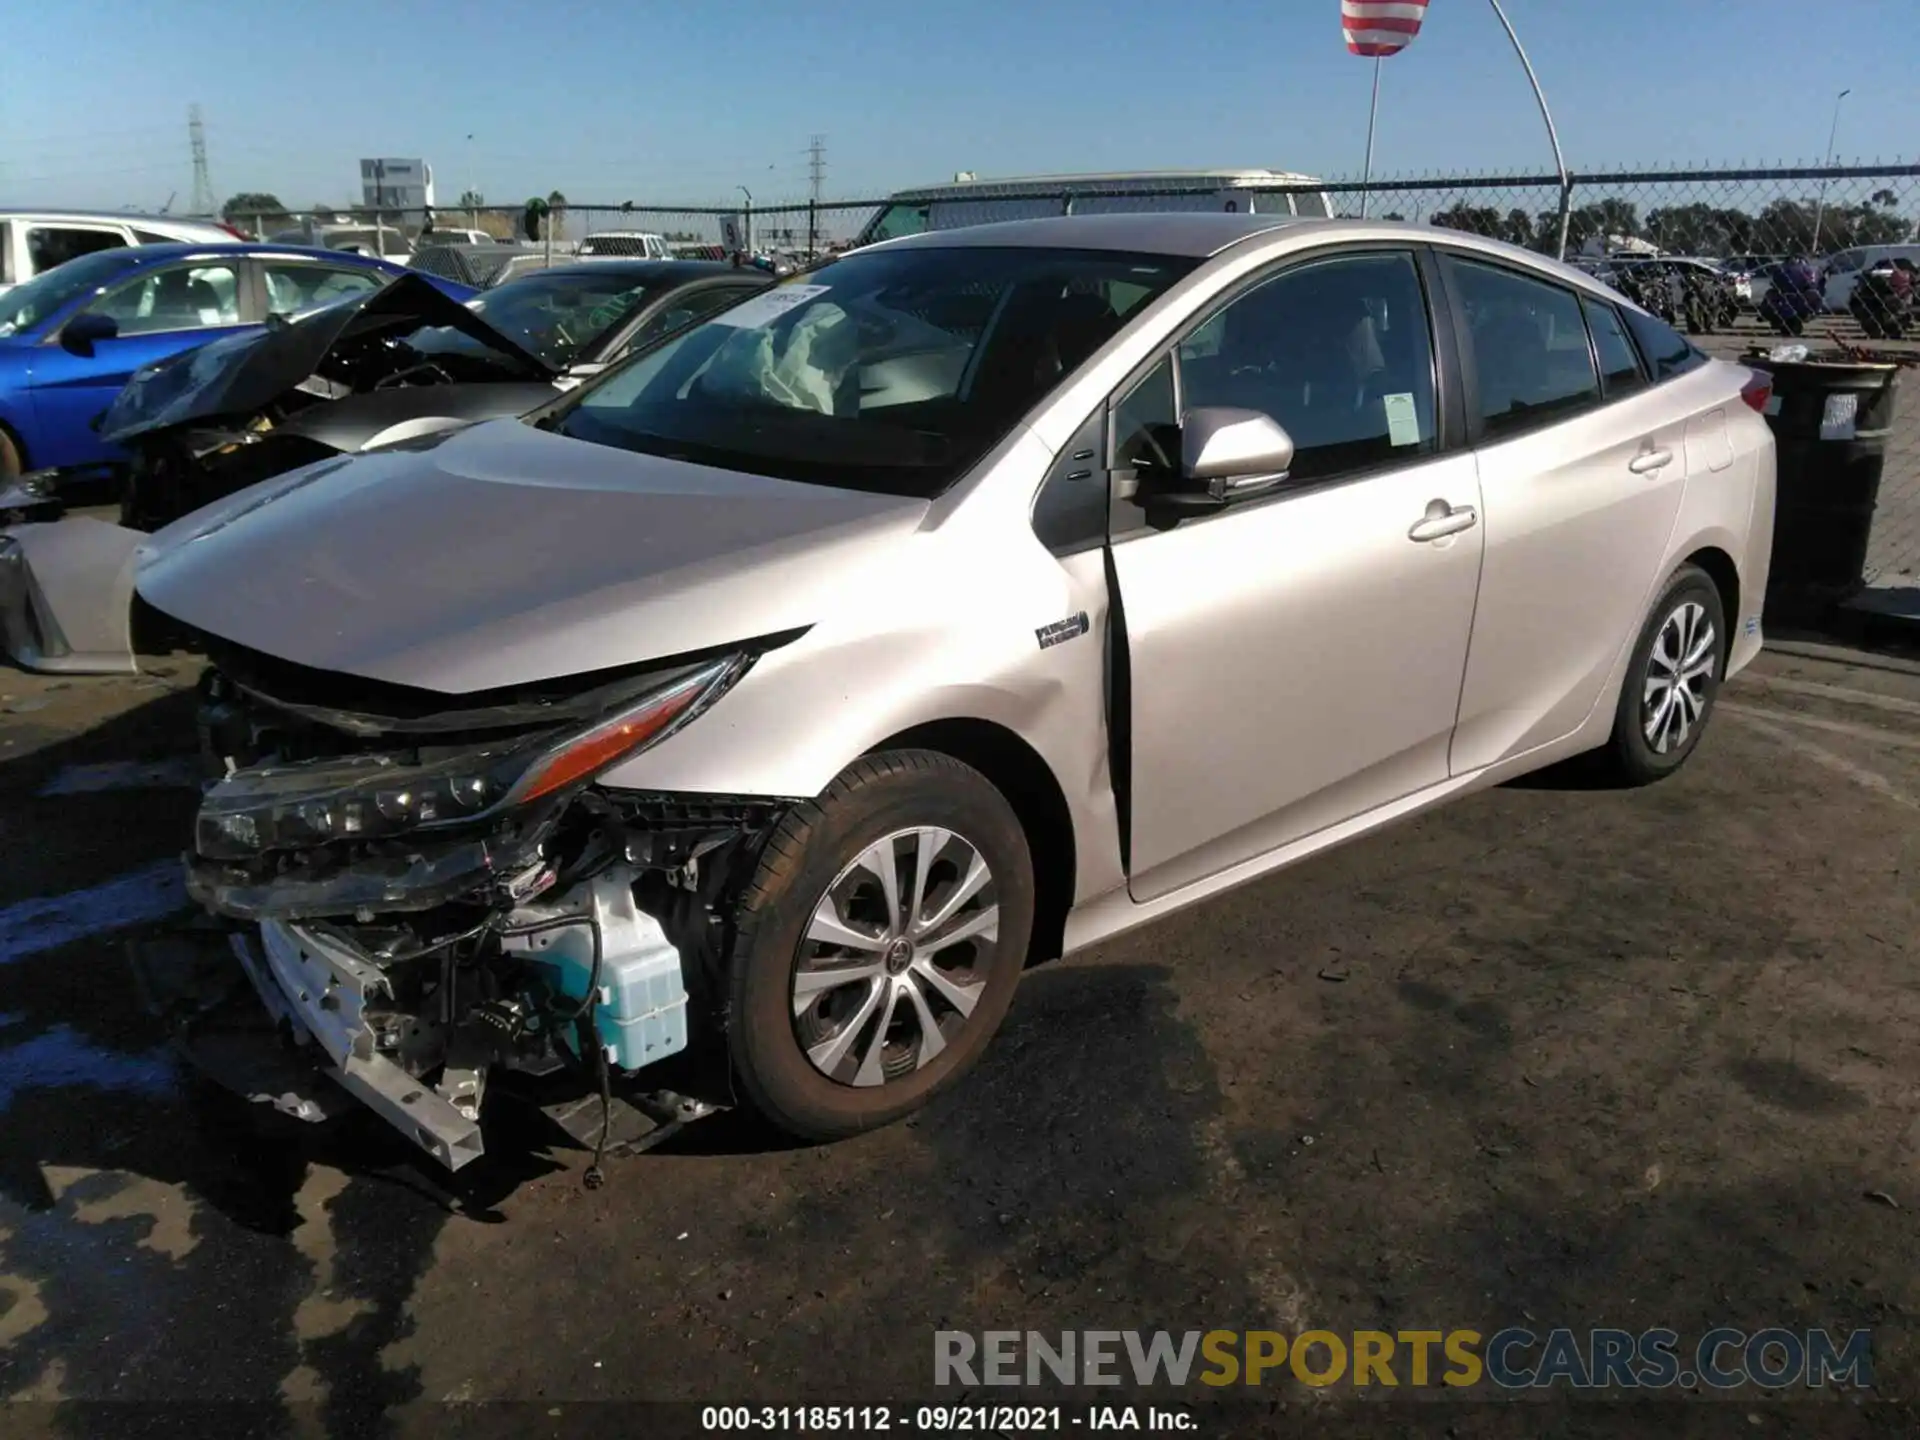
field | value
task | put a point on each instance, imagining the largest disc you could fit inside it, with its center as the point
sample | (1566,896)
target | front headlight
(369,797)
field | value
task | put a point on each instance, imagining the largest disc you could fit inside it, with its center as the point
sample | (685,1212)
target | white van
(36,240)
(981,202)
(1843,271)
(627,244)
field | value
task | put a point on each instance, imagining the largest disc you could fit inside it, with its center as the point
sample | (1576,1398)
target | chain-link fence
(1722,213)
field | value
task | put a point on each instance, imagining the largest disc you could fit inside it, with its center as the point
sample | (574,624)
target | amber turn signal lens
(601,746)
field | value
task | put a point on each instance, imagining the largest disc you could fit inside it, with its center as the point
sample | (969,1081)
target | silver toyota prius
(739,725)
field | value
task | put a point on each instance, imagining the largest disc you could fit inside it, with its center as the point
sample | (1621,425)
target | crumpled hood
(236,375)
(500,555)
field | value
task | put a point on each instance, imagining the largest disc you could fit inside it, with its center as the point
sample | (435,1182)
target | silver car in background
(973,598)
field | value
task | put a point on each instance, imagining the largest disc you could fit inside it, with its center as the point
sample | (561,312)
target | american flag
(1381,27)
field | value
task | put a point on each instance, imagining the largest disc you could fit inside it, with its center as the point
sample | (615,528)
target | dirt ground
(1552,1056)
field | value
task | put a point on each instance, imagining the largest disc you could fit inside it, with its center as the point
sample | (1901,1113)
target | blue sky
(658,102)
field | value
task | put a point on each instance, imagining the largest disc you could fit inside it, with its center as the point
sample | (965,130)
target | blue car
(70,337)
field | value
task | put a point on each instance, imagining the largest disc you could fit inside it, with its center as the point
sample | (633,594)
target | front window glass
(682,312)
(26,306)
(892,371)
(554,315)
(1336,351)
(184,297)
(1146,427)
(898,220)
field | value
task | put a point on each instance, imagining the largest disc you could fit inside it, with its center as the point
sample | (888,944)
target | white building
(396,184)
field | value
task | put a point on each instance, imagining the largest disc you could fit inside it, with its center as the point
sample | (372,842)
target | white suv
(36,240)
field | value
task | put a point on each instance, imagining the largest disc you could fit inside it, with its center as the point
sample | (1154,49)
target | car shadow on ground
(151,1225)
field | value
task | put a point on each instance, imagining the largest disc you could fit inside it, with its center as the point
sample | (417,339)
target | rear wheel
(1671,681)
(879,944)
(11,463)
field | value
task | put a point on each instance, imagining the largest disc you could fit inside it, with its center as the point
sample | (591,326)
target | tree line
(1783,227)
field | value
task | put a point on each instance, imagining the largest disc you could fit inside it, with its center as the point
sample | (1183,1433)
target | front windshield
(887,370)
(27,305)
(554,315)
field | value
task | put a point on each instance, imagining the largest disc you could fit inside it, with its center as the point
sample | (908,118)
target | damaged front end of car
(429,892)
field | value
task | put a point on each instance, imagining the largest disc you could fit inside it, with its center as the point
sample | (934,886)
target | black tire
(815,844)
(12,464)
(1629,757)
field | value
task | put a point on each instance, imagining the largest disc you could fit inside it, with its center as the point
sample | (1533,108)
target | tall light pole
(473,201)
(1553,138)
(1820,210)
(746,225)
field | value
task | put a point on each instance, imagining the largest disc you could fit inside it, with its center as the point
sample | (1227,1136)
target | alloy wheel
(1680,672)
(895,956)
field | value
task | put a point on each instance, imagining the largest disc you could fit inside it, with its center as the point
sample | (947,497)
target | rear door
(160,312)
(1582,475)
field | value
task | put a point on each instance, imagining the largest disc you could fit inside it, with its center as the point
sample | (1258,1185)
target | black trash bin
(1830,419)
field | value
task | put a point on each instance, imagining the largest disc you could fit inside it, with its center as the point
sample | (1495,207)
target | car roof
(637,269)
(1204,235)
(1195,234)
(138,255)
(1016,186)
(128,216)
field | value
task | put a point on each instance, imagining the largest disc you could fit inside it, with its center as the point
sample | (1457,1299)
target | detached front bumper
(321,990)
(66,596)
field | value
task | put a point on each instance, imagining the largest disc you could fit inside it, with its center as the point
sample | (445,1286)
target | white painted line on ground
(1831,692)
(139,897)
(1820,755)
(1820,722)
(181,772)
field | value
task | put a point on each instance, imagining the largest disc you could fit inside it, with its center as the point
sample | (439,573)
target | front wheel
(1671,681)
(878,945)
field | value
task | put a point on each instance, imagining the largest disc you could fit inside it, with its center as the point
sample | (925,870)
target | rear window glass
(1667,352)
(1619,368)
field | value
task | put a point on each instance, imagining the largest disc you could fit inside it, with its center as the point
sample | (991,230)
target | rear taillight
(1758,391)
(233,230)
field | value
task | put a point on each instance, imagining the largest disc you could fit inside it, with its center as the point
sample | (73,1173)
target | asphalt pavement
(1553,1055)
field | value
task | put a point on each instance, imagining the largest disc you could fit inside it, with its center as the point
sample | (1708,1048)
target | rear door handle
(1442,520)
(1648,461)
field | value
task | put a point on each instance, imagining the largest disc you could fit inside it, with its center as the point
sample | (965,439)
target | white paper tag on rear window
(1838,418)
(769,305)
(1403,420)
(1773,404)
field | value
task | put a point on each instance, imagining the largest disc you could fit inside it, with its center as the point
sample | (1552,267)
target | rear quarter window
(1666,351)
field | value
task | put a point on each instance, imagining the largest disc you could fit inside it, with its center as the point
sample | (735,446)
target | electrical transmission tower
(817,165)
(204,202)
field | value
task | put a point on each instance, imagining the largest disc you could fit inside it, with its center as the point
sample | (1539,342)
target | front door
(160,313)
(1295,660)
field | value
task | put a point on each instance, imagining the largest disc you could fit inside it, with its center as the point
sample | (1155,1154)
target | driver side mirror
(1226,455)
(81,333)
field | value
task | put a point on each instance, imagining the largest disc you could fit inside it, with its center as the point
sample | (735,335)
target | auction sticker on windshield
(769,305)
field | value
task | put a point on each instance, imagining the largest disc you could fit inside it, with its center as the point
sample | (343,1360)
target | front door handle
(1648,461)
(1442,520)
